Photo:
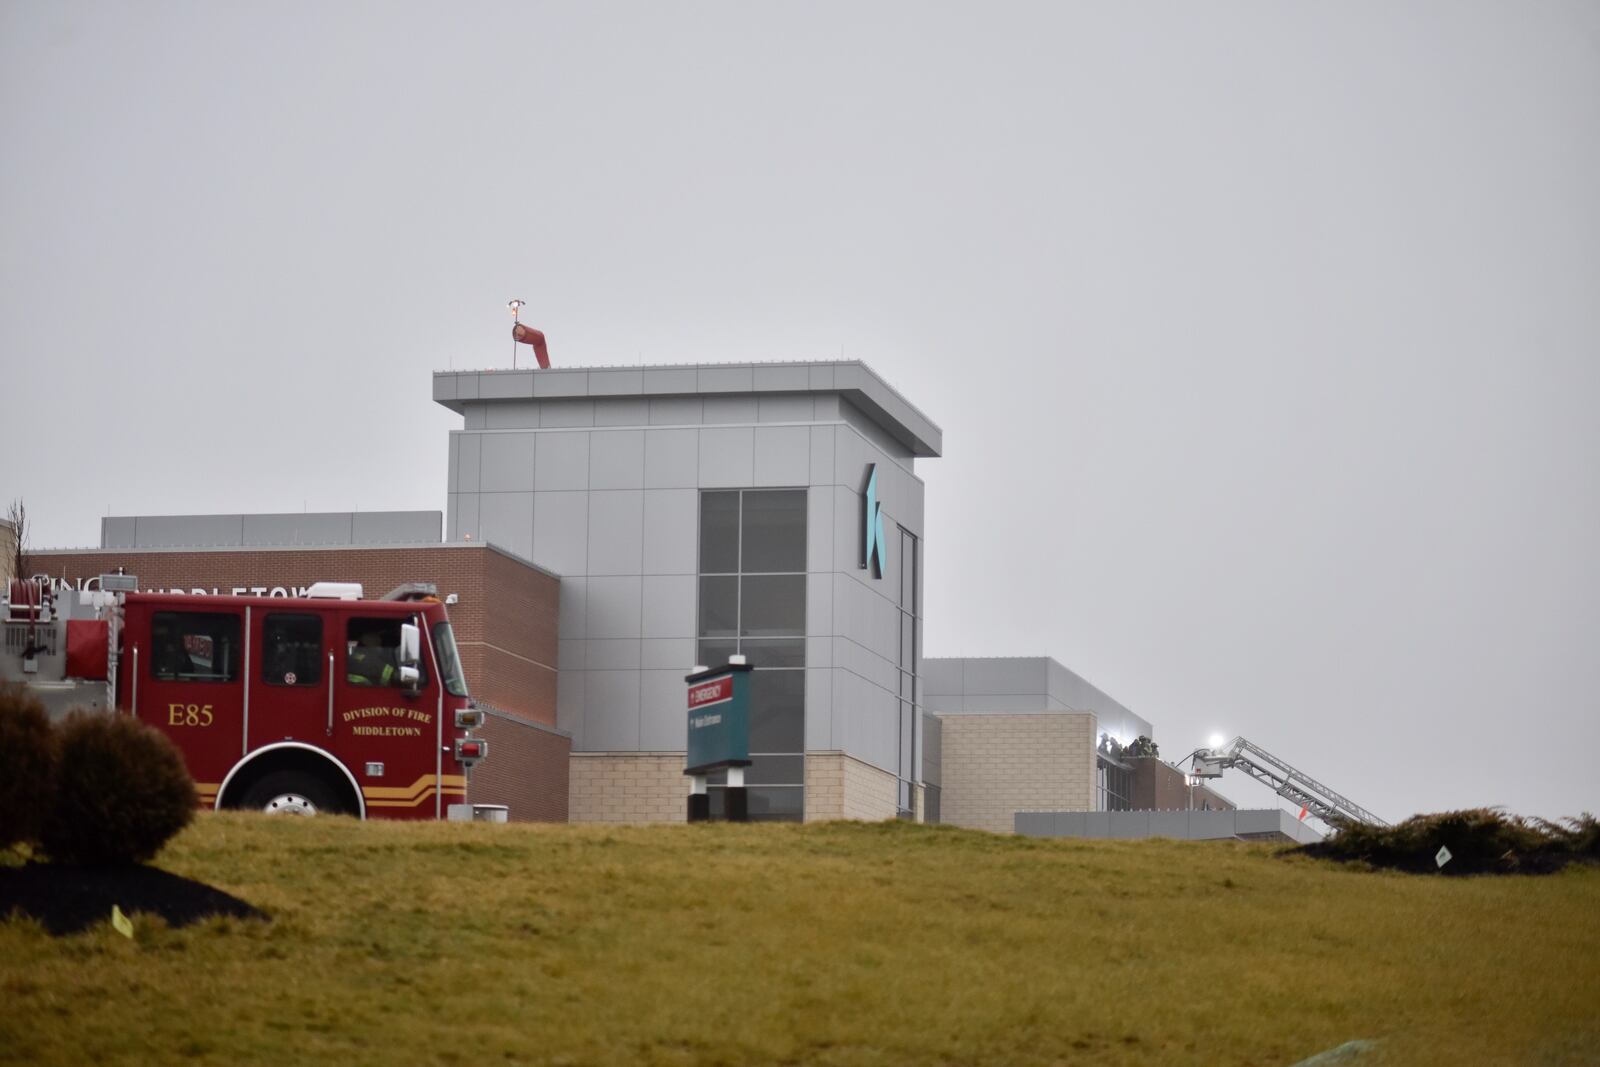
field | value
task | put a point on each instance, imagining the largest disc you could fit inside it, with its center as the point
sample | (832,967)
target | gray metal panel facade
(879,405)
(1269,823)
(1012,684)
(274,530)
(601,483)
(396,527)
(117,531)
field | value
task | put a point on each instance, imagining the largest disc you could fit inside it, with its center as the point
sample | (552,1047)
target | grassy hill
(820,944)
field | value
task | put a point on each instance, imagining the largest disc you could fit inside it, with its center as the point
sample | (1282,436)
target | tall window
(753,601)
(910,706)
(1113,780)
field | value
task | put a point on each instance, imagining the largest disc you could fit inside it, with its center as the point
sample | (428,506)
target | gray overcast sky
(1265,337)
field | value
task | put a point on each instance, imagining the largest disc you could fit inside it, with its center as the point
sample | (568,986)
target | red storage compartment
(88,648)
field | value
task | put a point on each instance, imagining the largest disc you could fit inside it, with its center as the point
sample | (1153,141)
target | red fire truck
(324,703)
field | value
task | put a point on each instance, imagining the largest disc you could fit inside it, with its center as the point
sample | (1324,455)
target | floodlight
(1217,740)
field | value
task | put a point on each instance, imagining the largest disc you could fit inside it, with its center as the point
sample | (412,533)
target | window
(291,650)
(910,710)
(719,533)
(444,651)
(193,646)
(772,605)
(1113,784)
(766,803)
(719,606)
(372,651)
(778,711)
(769,652)
(773,531)
(753,602)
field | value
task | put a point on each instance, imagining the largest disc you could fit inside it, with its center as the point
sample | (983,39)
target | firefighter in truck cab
(369,662)
(327,703)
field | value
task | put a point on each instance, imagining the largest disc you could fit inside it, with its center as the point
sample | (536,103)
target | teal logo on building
(874,545)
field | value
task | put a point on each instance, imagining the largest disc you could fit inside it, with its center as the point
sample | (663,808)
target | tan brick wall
(627,787)
(994,766)
(8,550)
(839,786)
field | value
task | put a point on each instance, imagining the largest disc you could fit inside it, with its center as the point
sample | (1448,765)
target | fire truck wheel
(292,793)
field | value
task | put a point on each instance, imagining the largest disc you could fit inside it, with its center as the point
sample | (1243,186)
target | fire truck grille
(17,639)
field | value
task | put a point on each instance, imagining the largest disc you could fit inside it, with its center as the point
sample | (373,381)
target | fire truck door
(292,688)
(191,686)
(383,723)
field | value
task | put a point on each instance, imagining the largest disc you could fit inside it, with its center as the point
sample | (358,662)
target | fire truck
(323,703)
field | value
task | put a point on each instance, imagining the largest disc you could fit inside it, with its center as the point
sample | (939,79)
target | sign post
(719,736)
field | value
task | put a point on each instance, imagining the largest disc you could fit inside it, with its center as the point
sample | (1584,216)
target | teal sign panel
(719,719)
(874,545)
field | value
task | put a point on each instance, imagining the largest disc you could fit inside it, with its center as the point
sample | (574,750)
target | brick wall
(505,622)
(521,613)
(1159,786)
(526,769)
(628,787)
(839,786)
(994,766)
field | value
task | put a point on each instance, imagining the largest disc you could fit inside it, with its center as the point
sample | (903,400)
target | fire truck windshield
(444,650)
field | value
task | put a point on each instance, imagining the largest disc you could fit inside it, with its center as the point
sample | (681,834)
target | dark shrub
(1580,836)
(1480,840)
(27,765)
(121,792)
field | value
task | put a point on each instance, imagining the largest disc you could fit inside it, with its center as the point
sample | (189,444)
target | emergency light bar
(412,591)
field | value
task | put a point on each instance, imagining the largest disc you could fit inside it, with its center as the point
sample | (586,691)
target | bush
(27,765)
(1480,840)
(121,792)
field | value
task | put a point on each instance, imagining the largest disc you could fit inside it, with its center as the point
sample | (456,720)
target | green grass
(820,944)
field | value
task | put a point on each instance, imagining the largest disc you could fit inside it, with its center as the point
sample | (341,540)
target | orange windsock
(527,335)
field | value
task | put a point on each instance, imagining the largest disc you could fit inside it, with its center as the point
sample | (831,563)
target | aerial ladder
(1281,777)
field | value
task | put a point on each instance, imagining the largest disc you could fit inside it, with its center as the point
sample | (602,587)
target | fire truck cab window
(444,650)
(291,650)
(372,652)
(192,646)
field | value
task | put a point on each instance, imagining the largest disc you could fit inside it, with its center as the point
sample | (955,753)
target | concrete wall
(259,531)
(996,765)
